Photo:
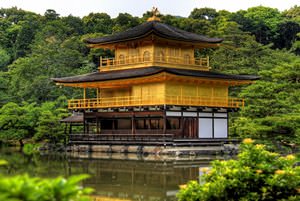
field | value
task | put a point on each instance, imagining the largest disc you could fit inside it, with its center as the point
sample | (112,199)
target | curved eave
(160,77)
(153,74)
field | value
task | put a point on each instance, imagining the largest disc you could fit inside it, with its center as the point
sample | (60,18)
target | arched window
(121,59)
(187,59)
(146,56)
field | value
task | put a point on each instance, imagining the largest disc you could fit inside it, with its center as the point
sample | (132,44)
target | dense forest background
(261,41)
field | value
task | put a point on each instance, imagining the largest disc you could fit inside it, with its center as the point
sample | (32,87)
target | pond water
(113,176)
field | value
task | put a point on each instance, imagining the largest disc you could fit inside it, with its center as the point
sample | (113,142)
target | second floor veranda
(155,100)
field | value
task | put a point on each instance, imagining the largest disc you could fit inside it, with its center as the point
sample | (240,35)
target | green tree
(261,21)
(30,76)
(204,13)
(124,21)
(272,101)
(75,24)
(293,13)
(4,59)
(98,23)
(4,88)
(51,15)
(18,122)
(287,34)
(48,127)
(18,29)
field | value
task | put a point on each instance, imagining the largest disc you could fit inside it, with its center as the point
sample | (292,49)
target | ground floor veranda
(161,123)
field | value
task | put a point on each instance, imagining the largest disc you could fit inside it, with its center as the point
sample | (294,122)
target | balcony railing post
(207,61)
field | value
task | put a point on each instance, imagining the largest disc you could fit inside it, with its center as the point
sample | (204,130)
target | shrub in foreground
(25,188)
(256,174)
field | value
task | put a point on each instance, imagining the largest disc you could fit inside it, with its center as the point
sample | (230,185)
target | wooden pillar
(70,128)
(97,125)
(165,122)
(84,97)
(132,123)
(66,134)
(84,125)
(181,125)
(113,124)
(66,127)
(197,130)
(148,121)
(87,128)
(98,97)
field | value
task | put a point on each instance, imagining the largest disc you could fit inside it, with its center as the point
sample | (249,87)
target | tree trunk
(21,143)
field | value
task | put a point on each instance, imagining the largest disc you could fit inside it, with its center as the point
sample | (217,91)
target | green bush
(25,188)
(256,174)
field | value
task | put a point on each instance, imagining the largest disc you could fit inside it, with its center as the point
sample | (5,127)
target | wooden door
(190,126)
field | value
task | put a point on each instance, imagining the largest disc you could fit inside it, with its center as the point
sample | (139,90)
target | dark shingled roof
(142,72)
(73,119)
(156,27)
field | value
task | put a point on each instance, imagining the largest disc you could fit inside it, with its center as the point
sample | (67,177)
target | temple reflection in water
(117,179)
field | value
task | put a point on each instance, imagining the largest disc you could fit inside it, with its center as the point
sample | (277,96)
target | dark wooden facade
(180,122)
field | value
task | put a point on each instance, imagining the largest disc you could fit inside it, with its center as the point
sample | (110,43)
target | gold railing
(155,100)
(107,64)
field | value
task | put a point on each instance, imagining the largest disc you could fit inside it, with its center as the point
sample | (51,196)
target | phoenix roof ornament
(155,12)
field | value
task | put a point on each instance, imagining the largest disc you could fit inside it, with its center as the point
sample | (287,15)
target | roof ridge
(161,29)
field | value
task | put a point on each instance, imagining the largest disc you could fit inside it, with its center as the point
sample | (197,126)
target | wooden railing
(155,100)
(107,64)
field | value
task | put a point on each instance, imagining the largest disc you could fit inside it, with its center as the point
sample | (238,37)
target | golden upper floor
(154,44)
(154,56)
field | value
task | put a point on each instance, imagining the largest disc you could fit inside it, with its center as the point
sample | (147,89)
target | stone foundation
(157,150)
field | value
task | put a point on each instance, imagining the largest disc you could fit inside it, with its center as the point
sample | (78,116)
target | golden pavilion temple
(154,87)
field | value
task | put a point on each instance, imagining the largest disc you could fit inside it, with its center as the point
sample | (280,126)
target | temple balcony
(132,101)
(108,64)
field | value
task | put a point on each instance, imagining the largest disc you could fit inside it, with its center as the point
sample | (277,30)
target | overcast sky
(138,7)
